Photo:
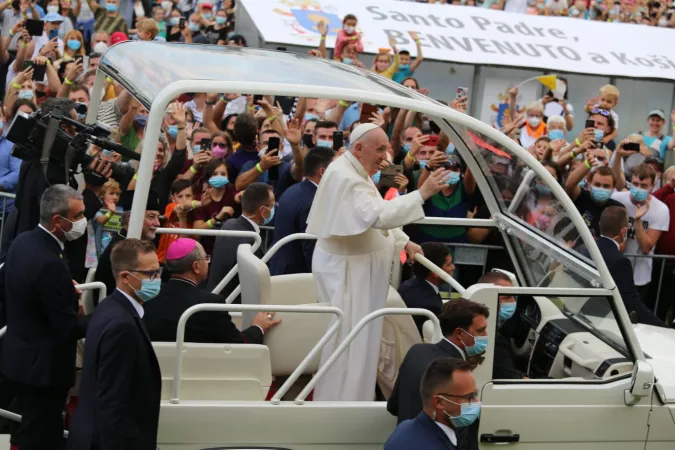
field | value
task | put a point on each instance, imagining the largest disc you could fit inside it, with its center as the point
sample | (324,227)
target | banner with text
(472,35)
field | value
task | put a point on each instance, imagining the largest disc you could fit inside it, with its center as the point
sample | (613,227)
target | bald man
(358,236)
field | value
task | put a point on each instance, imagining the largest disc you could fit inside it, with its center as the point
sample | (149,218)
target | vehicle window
(561,338)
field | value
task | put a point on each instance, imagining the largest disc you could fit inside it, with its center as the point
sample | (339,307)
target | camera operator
(34,179)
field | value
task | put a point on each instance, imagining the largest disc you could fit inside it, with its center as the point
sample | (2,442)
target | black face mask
(308,140)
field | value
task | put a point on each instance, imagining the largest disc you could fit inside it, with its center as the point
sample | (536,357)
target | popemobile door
(562,375)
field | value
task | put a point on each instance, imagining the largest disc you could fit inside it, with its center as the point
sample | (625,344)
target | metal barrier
(180,336)
(661,272)
(300,399)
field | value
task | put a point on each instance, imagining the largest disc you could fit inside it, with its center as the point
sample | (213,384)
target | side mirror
(641,384)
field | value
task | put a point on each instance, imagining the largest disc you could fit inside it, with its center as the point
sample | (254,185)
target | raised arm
(419,58)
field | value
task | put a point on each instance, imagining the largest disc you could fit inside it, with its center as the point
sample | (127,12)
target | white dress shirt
(256,227)
(137,306)
(52,235)
(461,352)
(433,286)
(448,432)
(615,243)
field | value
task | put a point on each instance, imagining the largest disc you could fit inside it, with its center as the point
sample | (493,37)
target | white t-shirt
(556,109)
(657,218)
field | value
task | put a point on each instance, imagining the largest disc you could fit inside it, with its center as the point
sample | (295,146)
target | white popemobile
(596,381)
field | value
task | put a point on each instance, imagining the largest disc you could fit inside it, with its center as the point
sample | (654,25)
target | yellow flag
(550,81)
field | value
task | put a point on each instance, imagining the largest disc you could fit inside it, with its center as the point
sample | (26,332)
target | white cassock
(358,239)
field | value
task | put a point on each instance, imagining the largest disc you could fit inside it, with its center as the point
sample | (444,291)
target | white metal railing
(180,337)
(300,399)
(266,257)
(442,274)
(102,293)
(457,222)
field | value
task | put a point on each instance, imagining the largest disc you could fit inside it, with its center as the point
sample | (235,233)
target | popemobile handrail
(102,293)
(180,336)
(442,274)
(437,336)
(257,240)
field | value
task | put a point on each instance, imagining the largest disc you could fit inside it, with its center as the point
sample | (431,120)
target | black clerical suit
(162,315)
(224,256)
(620,268)
(121,385)
(418,293)
(38,350)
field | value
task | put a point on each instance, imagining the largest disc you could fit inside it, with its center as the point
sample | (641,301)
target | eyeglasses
(603,112)
(151,274)
(470,397)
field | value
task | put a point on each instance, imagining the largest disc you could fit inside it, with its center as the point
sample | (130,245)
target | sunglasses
(603,112)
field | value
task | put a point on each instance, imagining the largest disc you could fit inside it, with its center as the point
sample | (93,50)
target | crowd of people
(241,162)
(642,12)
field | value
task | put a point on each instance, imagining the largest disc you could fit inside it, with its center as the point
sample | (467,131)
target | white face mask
(167,6)
(78,230)
(534,121)
(53,8)
(349,30)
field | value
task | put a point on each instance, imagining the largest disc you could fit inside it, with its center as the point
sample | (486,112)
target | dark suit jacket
(121,385)
(419,433)
(418,293)
(41,312)
(405,401)
(162,315)
(291,217)
(224,256)
(622,272)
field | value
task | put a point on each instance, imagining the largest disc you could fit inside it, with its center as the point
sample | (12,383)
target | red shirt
(212,209)
(666,244)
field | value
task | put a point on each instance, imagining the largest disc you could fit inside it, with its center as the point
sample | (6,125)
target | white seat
(88,295)
(291,340)
(399,333)
(216,371)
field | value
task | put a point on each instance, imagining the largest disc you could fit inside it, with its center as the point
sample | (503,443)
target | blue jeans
(87,29)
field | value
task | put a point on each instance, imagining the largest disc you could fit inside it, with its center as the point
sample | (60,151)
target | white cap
(361,131)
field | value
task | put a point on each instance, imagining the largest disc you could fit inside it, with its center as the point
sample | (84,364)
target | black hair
(459,313)
(434,252)
(22,102)
(318,158)
(404,52)
(440,372)
(255,196)
(212,165)
(349,17)
(325,124)
(180,185)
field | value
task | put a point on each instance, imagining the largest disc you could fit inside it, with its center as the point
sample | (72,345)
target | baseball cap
(53,17)
(118,37)
(657,112)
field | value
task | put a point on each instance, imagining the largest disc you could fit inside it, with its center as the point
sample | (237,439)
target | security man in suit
(291,217)
(422,291)
(121,386)
(258,206)
(464,327)
(104,271)
(187,263)
(38,350)
(450,399)
(613,232)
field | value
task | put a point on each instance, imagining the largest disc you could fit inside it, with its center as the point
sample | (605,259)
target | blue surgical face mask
(470,412)
(173,131)
(196,149)
(480,344)
(583,183)
(324,144)
(404,66)
(74,44)
(149,289)
(348,61)
(174,21)
(556,134)
(600,194)
(220,20)
(26,94)
(639,195)
(506,310)
(269,219)
(599,134)
(376,177)
(406,147)
(453,179)
(193,27)
(207,16)
(450,149)
(111,7)
(218,181)
(424,163)
(310,116)
(542,189)
(141,120)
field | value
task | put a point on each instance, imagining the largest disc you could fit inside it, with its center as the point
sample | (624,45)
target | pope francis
(358,238)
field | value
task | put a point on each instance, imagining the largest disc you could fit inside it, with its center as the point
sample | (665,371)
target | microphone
(107,144)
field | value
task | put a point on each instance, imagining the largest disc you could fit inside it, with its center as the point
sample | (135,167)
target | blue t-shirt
(650,141)
(351,115)
(402,74)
